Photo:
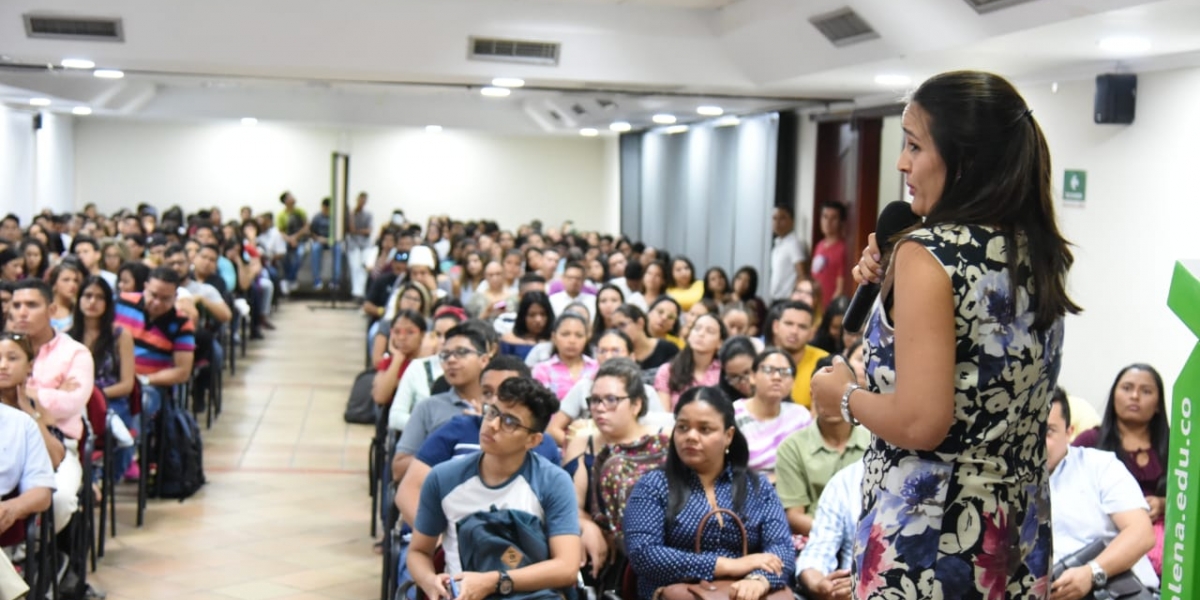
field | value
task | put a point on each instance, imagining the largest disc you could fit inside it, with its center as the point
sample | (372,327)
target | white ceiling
(352,62)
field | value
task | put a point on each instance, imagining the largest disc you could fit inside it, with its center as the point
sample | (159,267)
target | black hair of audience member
(166,275)
(252,224)
(635,313)
(10,254)
(617,333)
(512,364)
(413,317)
(1160,429)
(30,283)
(527,302)
(627,371)
(634,271)
(1059,397)
(11,217)
(81,240)
(138,271)
(824,339)
(283,197)
(446,301)
(772,351)
(752,285)
(69,263)
(172,250)
(138,238)
(738,345)
(598,324)
(837,206)
(528,392)
(561,320)
(683,366)
(768,324)
(855,347)
(737,459)
(824,361)
(678,312)
(212,247)
(638,247)
(787,208)
(480,334)
(104,341)
(725,276)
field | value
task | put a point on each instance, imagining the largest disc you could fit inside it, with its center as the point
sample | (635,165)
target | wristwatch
(504,587)
(846,416)
(1099,577)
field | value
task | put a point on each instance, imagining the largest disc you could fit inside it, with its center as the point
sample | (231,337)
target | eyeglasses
(735,379)
(607,401)
(770,371)
(460,354)
(488,394)
(400,256)
(509,423)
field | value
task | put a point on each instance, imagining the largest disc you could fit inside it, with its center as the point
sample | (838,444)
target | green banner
(1182,525)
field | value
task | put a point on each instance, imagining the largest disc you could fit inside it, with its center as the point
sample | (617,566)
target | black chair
(41,556)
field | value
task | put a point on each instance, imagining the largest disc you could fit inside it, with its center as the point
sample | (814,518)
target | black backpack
(181,471)
(360,408)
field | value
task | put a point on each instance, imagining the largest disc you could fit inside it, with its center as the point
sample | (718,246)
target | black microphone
(896,217)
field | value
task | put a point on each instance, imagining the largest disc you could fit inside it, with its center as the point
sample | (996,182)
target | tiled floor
(285,513)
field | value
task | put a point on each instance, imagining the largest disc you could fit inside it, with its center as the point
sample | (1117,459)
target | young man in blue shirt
(507,475)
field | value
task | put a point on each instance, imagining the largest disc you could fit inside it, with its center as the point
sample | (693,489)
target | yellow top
(687,297)
(802,388)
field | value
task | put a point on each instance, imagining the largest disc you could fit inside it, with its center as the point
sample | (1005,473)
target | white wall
(17,152)
(891,181)
(55,169)
(511,179)
(1140,216)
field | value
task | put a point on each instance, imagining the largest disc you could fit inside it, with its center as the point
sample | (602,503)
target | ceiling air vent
(520,51)
(100,29)
(843,27)
(987,6)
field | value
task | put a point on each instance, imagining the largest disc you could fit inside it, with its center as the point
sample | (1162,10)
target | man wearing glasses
(504,474)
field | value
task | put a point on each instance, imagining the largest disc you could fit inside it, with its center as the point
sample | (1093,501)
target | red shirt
(829,263)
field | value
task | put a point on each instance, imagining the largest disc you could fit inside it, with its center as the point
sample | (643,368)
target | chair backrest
(97,412)
(135,398)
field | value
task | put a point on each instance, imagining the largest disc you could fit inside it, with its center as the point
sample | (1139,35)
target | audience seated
(568,364)
(503,474)
(60,384)
(494,297)
(163,337)
(684,287)
(1094,497)
(650,352)
(64,285)
(405,339)
(766,419)
(1135,428)
(707,463)
(417,381)
(695,365)
(608,299)
(572,292)
(663,320)
(823,567)
(737,356)
(793,331)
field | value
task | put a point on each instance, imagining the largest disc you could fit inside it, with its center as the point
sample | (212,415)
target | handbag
(717,589)
(1125,586)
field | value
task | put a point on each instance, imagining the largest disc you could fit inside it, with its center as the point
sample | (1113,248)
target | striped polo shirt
(155,342)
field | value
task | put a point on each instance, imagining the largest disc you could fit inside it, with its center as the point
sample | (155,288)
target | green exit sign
(1075,185)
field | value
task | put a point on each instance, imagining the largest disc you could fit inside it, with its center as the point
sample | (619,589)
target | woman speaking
(963,350)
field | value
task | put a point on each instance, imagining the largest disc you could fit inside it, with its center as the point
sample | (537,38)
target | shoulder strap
(429,373)
(731,515)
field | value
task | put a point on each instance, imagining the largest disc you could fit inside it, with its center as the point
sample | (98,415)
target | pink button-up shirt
(57,361)
(556,375)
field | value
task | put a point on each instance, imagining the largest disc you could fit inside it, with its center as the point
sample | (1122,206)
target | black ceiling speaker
(1116,97)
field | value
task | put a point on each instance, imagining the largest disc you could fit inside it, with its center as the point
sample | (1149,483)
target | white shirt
(835,523)
(634,298)
(412,388)
(272,241)
(785,253)
(24,461)
(559,301)
(1085,489)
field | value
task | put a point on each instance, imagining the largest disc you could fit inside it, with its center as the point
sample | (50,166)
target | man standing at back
(60,384)
(293,224)
(358,240)
(788,256)
(505,473)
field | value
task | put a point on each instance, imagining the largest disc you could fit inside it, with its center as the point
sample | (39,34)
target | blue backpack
(505,540)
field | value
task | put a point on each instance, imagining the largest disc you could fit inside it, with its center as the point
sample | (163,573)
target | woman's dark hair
(419,289)
(670,279)
(138,271)
(413,317)
(998,173)
(683,366)
(855,347)
(751,285)
(662,269)
(466,258)
(104,342)
(628,372)
(768,324)
(66,265)
(737,459)
(824,339)
(528,301)
(598,324)
(40,270)
(22,342)
(708,294)
(678,312)
(625,339)
(562,320)
(634,314)
(1160,430)
(738,345)
(1059,397)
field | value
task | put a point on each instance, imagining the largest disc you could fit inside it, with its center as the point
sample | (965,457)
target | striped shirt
(764,437)
(154,343)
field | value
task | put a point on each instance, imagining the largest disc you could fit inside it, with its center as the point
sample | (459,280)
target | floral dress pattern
(970,519)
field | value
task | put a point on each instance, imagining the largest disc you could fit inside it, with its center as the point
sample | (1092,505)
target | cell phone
(501,305)
(454,589)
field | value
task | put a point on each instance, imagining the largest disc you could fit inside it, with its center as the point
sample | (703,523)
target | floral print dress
(970,519)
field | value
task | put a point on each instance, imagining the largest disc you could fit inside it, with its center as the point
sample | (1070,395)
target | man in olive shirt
(807,460)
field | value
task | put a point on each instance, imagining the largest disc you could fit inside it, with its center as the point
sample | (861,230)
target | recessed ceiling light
(710,111)
(508,82)
(77,63)
(727,121)
(81,110)
(664,119)
(39,102)
(893,80)
(433,129)
(249,121)
(495,92)
(1124,44)
(676,129)
(108,73)
(589,132)
(620,127)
